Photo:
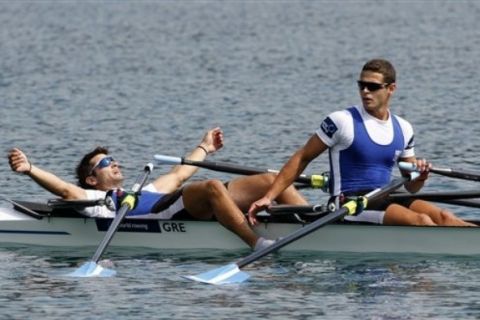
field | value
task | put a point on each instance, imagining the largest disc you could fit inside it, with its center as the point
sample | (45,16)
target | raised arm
(211,142)
(20,163)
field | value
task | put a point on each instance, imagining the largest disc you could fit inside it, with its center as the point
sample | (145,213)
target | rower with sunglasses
(99,173)
(364,144)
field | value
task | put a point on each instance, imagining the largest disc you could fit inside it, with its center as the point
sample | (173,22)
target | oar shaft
(61,203)
(227,167)
(316,181)
(121,214)
(466,175)
(460,202)
(334,216)
(437,196)
(293,236)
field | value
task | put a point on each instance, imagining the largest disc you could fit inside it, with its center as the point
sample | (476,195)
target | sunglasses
(371,86)
(102,163)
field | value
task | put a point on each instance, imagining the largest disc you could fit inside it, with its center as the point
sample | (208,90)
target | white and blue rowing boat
(65,227)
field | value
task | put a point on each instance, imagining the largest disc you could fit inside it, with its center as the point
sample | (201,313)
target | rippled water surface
(147,77)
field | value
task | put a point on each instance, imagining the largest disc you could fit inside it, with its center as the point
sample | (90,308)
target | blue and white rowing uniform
(164,206)
(363,151)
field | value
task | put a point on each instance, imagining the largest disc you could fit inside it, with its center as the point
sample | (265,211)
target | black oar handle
(315,181)
(125,208)
(285,208)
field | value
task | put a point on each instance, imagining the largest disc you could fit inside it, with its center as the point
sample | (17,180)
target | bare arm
(289,172)
(19,163)
(211,142)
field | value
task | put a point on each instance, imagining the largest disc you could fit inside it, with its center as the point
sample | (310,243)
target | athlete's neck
(381,114)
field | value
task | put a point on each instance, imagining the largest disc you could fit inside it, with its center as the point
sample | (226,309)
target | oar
(463,203)
(91,268)
(437,196)
(231,273)
(460,202)
(61,203)
(287,208)
(315,181)
(449,172)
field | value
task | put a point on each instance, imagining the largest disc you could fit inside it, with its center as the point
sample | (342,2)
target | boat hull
(18,228)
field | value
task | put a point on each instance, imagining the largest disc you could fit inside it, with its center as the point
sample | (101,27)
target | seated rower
(98,173)
(364,144)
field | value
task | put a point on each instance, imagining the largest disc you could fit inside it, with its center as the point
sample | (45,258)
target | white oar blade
(92,269)
(224,275)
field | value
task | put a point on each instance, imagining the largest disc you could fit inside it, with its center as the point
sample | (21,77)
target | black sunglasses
(371,86)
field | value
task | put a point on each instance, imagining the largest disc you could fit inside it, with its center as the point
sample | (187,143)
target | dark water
(147,77)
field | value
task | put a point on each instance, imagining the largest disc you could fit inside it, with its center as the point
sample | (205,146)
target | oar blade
(228,274)
(91,269)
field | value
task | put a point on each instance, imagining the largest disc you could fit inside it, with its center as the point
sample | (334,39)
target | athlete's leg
(246,190)
(441,217)
(399,215)
(210,198)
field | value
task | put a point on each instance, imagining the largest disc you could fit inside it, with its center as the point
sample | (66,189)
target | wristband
(203,148)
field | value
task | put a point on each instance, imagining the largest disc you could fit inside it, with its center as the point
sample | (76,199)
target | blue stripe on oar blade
(223,275)
(91,269)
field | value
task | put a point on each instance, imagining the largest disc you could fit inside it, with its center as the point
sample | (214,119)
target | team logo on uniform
(328,127)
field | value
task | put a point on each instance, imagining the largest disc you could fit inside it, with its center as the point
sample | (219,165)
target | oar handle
(315,181)
(411,168)
(448,172)
(162,159)
(407,166)
(127,205)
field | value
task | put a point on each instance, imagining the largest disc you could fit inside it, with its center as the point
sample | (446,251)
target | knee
(424,220)
(215,187)
(269,177)
(446,217)
(263,179)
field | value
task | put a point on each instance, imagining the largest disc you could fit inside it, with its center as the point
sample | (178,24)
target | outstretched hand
(256,207)
(213,140)
(18,161)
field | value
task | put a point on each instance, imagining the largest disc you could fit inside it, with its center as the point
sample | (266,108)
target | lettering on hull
(138,225)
